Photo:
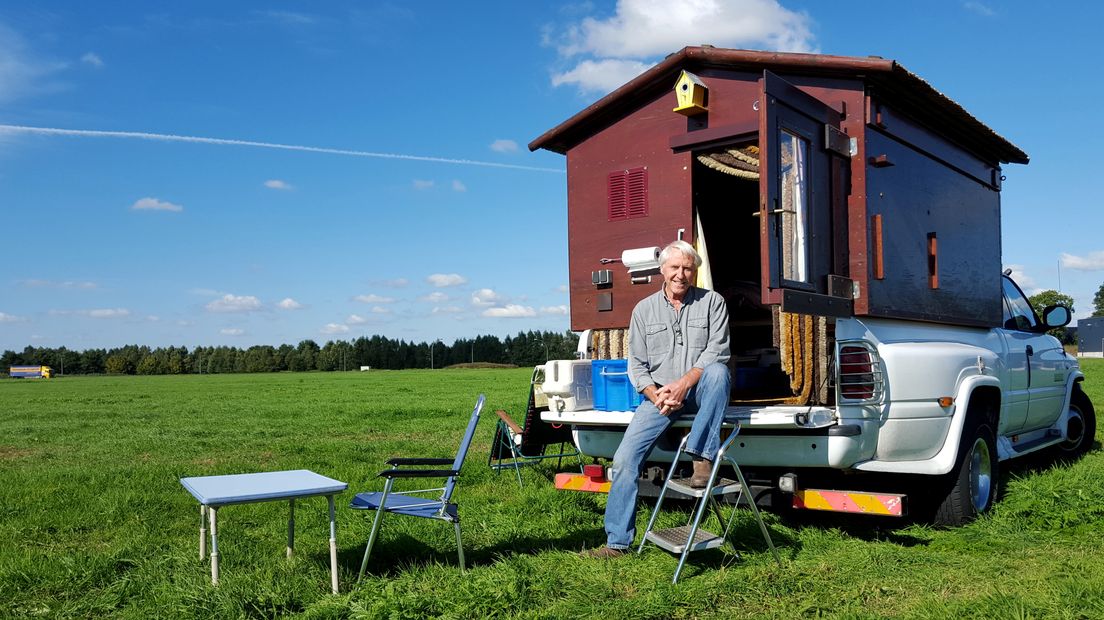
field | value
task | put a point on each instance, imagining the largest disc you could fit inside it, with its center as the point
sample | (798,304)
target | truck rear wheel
(974,480)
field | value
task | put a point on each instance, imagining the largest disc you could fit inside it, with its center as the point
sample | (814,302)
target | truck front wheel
(974,480)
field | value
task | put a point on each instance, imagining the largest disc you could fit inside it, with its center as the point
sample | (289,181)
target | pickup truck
(924,414)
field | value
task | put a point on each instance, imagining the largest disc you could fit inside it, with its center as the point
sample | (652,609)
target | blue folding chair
(407,503)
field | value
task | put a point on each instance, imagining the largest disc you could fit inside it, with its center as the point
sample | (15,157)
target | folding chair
(407,503)
(515,446)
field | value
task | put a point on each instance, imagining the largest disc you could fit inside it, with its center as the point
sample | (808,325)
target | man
(678,356)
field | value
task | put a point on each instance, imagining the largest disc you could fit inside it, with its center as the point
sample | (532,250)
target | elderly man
(678,355)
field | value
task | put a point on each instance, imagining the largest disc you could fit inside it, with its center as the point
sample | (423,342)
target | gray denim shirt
(665,344)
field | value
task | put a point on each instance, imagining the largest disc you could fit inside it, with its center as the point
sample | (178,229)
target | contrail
(90,133)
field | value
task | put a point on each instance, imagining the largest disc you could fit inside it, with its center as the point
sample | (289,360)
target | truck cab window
(1018,313)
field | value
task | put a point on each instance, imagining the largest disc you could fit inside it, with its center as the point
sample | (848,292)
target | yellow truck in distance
(31,372)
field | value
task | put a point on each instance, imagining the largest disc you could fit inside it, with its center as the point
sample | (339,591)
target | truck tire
(1081,429)
(974,480)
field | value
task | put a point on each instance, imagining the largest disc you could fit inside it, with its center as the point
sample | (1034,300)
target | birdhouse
(691,92)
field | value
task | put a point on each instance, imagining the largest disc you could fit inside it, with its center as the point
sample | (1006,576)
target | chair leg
(375,527)
(459,546)
(517,467)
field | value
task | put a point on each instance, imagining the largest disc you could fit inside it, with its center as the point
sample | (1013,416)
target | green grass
(94,522)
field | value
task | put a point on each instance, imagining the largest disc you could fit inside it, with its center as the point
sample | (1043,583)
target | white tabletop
(260,487)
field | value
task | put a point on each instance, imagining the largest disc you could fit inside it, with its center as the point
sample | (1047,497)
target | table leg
(202,532)
(291,527)
(214,545)
(333,545)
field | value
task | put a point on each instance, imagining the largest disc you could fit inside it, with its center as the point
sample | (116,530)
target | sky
(241,173)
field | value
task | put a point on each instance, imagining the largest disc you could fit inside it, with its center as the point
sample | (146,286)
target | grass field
(94,522)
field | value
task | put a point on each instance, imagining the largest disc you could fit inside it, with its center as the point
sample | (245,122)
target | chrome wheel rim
(981,475)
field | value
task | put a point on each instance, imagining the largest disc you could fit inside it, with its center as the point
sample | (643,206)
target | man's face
(678,274)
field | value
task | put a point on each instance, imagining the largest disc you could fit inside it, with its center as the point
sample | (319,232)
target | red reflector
(856,373)
(594,471)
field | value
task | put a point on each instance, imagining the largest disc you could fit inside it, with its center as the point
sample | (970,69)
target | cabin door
(801,211)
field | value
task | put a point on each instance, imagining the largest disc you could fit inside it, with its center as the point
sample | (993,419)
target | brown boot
(602,553)
(702,470)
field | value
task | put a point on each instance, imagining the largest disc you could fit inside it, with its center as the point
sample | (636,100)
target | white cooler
(568,385)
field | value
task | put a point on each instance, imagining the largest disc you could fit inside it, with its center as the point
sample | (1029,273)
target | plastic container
(613,391)
(568,385)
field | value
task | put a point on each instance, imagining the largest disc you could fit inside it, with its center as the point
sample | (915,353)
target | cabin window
(794,173)
(627,194)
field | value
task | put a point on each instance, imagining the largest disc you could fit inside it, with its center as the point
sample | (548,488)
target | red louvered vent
(628,194)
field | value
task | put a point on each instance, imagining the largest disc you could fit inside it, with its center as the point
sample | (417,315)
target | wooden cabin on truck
(849,214)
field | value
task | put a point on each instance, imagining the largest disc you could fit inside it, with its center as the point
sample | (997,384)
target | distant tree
(1098,302)
(1053,298)
(117,365)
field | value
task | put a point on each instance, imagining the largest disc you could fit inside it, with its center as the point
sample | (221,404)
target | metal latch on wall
(839,142)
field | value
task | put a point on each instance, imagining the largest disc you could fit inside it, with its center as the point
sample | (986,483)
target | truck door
(1036,365)
(803,229)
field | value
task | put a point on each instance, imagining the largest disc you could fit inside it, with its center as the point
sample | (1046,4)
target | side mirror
(1056,316)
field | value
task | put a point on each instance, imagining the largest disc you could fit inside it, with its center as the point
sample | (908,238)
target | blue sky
(414,209)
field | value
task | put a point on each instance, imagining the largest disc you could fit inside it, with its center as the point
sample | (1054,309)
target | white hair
(683,248)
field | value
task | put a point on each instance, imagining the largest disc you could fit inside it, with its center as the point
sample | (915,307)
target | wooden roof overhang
(886,80)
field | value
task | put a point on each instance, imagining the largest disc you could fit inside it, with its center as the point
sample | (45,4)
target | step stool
(688,538)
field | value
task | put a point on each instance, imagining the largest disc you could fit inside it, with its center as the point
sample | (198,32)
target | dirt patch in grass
(12,453)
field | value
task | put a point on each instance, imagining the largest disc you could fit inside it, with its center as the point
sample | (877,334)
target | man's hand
(672,396)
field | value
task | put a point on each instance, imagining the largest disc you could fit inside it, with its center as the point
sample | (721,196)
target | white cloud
(109,313)
(510,311)
(979,8)
(617,48)
(374,299)
(485,297)
(504,146)
(447,310)
(435,297)
(396,283)
(458,186)
(1093,261)
(334,328)
(561,310)
(152,318)
(441,280)
(601,75)
(235,303)
(562,288)
(232,331)
(9,318)
(289,304)
(278,184)
(421,184)
(380,310)
(92,59)
(154,204)
(1025,281)
(289,18)
(21,73)
(67,284)
(355,320)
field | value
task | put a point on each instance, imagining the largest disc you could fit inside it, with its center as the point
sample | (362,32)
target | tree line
(525,349)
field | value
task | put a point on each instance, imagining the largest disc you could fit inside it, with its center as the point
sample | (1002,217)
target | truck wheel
(1081,429)
(974,480)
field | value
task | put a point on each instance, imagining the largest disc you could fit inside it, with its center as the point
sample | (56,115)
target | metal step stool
(688,538)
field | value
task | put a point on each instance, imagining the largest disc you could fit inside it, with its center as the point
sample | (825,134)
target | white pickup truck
(924,413)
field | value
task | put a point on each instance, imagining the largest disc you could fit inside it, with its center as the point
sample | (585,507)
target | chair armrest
(419,461)
(418,473)
(506,419)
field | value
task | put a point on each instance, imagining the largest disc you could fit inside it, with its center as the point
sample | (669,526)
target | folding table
(214,492)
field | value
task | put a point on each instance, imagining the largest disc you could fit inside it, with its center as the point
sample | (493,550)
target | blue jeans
(708,399)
